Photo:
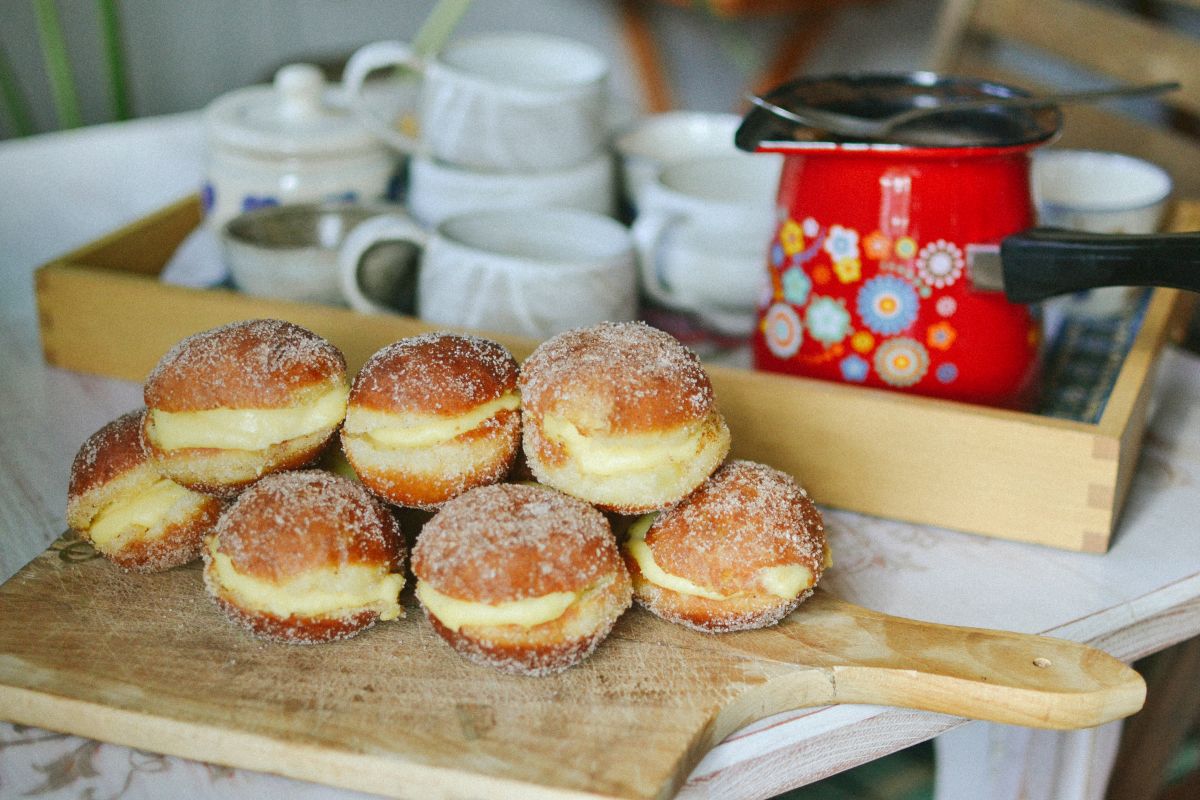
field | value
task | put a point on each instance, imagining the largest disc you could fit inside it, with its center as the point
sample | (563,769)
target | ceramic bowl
(291,252)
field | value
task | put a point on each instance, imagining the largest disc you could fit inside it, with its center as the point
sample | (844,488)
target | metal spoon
(889,128)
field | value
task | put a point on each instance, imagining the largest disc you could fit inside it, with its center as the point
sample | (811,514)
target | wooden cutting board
(148,661)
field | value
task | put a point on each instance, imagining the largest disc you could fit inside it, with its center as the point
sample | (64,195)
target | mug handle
(366,60)
(649,230)
(364,236)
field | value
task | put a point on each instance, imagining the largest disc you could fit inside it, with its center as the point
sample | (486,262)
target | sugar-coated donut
(621,415)
(234,403)
(132,515)
(520,577)
(306,557)
(432,416)
(740,552)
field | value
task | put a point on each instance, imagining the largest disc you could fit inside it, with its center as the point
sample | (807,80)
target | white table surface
(62,190)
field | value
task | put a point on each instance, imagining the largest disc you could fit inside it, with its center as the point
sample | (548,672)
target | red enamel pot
(867,269)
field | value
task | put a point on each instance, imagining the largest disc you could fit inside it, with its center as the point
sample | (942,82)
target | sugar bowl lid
(296,115)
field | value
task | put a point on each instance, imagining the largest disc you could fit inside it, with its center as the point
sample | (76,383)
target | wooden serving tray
(147,661)
(103,311)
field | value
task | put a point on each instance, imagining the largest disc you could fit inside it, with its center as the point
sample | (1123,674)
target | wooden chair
(1023,42)
(1036,44)
(808,23)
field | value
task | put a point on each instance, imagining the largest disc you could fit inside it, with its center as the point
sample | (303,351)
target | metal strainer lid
(878,95)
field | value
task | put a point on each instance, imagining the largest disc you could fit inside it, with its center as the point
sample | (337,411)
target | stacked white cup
(507,122)
(704,213)
(701,234)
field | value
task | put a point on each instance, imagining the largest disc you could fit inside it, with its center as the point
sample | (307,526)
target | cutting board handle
(849,654)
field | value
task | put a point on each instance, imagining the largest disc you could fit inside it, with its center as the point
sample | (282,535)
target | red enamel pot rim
(893,151)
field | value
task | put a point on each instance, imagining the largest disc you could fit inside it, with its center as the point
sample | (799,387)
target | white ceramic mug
(531,272)
(438,191)
(501,101)
(291,252)
(1098,192)
(701,236)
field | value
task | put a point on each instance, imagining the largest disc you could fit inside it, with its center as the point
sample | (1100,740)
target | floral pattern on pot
(791,237)
(854,368)
(841,243)
(848,270)
(783,330)
(940,264)
(888,305)
(862,341)
(828,285)
(796,286)
(901,361)
(878,245)
(941,335)
(882,237)
(946,373)
(777,255)
(827,320)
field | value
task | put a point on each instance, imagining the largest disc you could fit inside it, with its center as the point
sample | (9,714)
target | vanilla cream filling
(623,453)
(246,428)
(144,510)
(322,592)
(786,581)
(423,430)
(454,612)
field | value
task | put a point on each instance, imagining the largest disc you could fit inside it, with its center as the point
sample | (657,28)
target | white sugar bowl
(289,142)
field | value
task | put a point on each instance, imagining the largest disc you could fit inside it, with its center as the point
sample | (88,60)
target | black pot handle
(1046,262)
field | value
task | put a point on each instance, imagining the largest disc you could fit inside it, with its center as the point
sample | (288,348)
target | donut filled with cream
(741,552)
(306,557)
(234,403)
(432,416)
(621,415)
(134,516)
(520,577)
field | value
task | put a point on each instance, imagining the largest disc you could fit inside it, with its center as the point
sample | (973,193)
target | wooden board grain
(148,661)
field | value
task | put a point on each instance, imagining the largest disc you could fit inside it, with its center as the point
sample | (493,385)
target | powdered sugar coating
(744,518)
(435,373)
(616,377)
(115,448)
(510,542)
(292,522)
(259,363)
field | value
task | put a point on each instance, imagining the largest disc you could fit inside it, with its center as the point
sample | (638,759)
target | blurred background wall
(180,54)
